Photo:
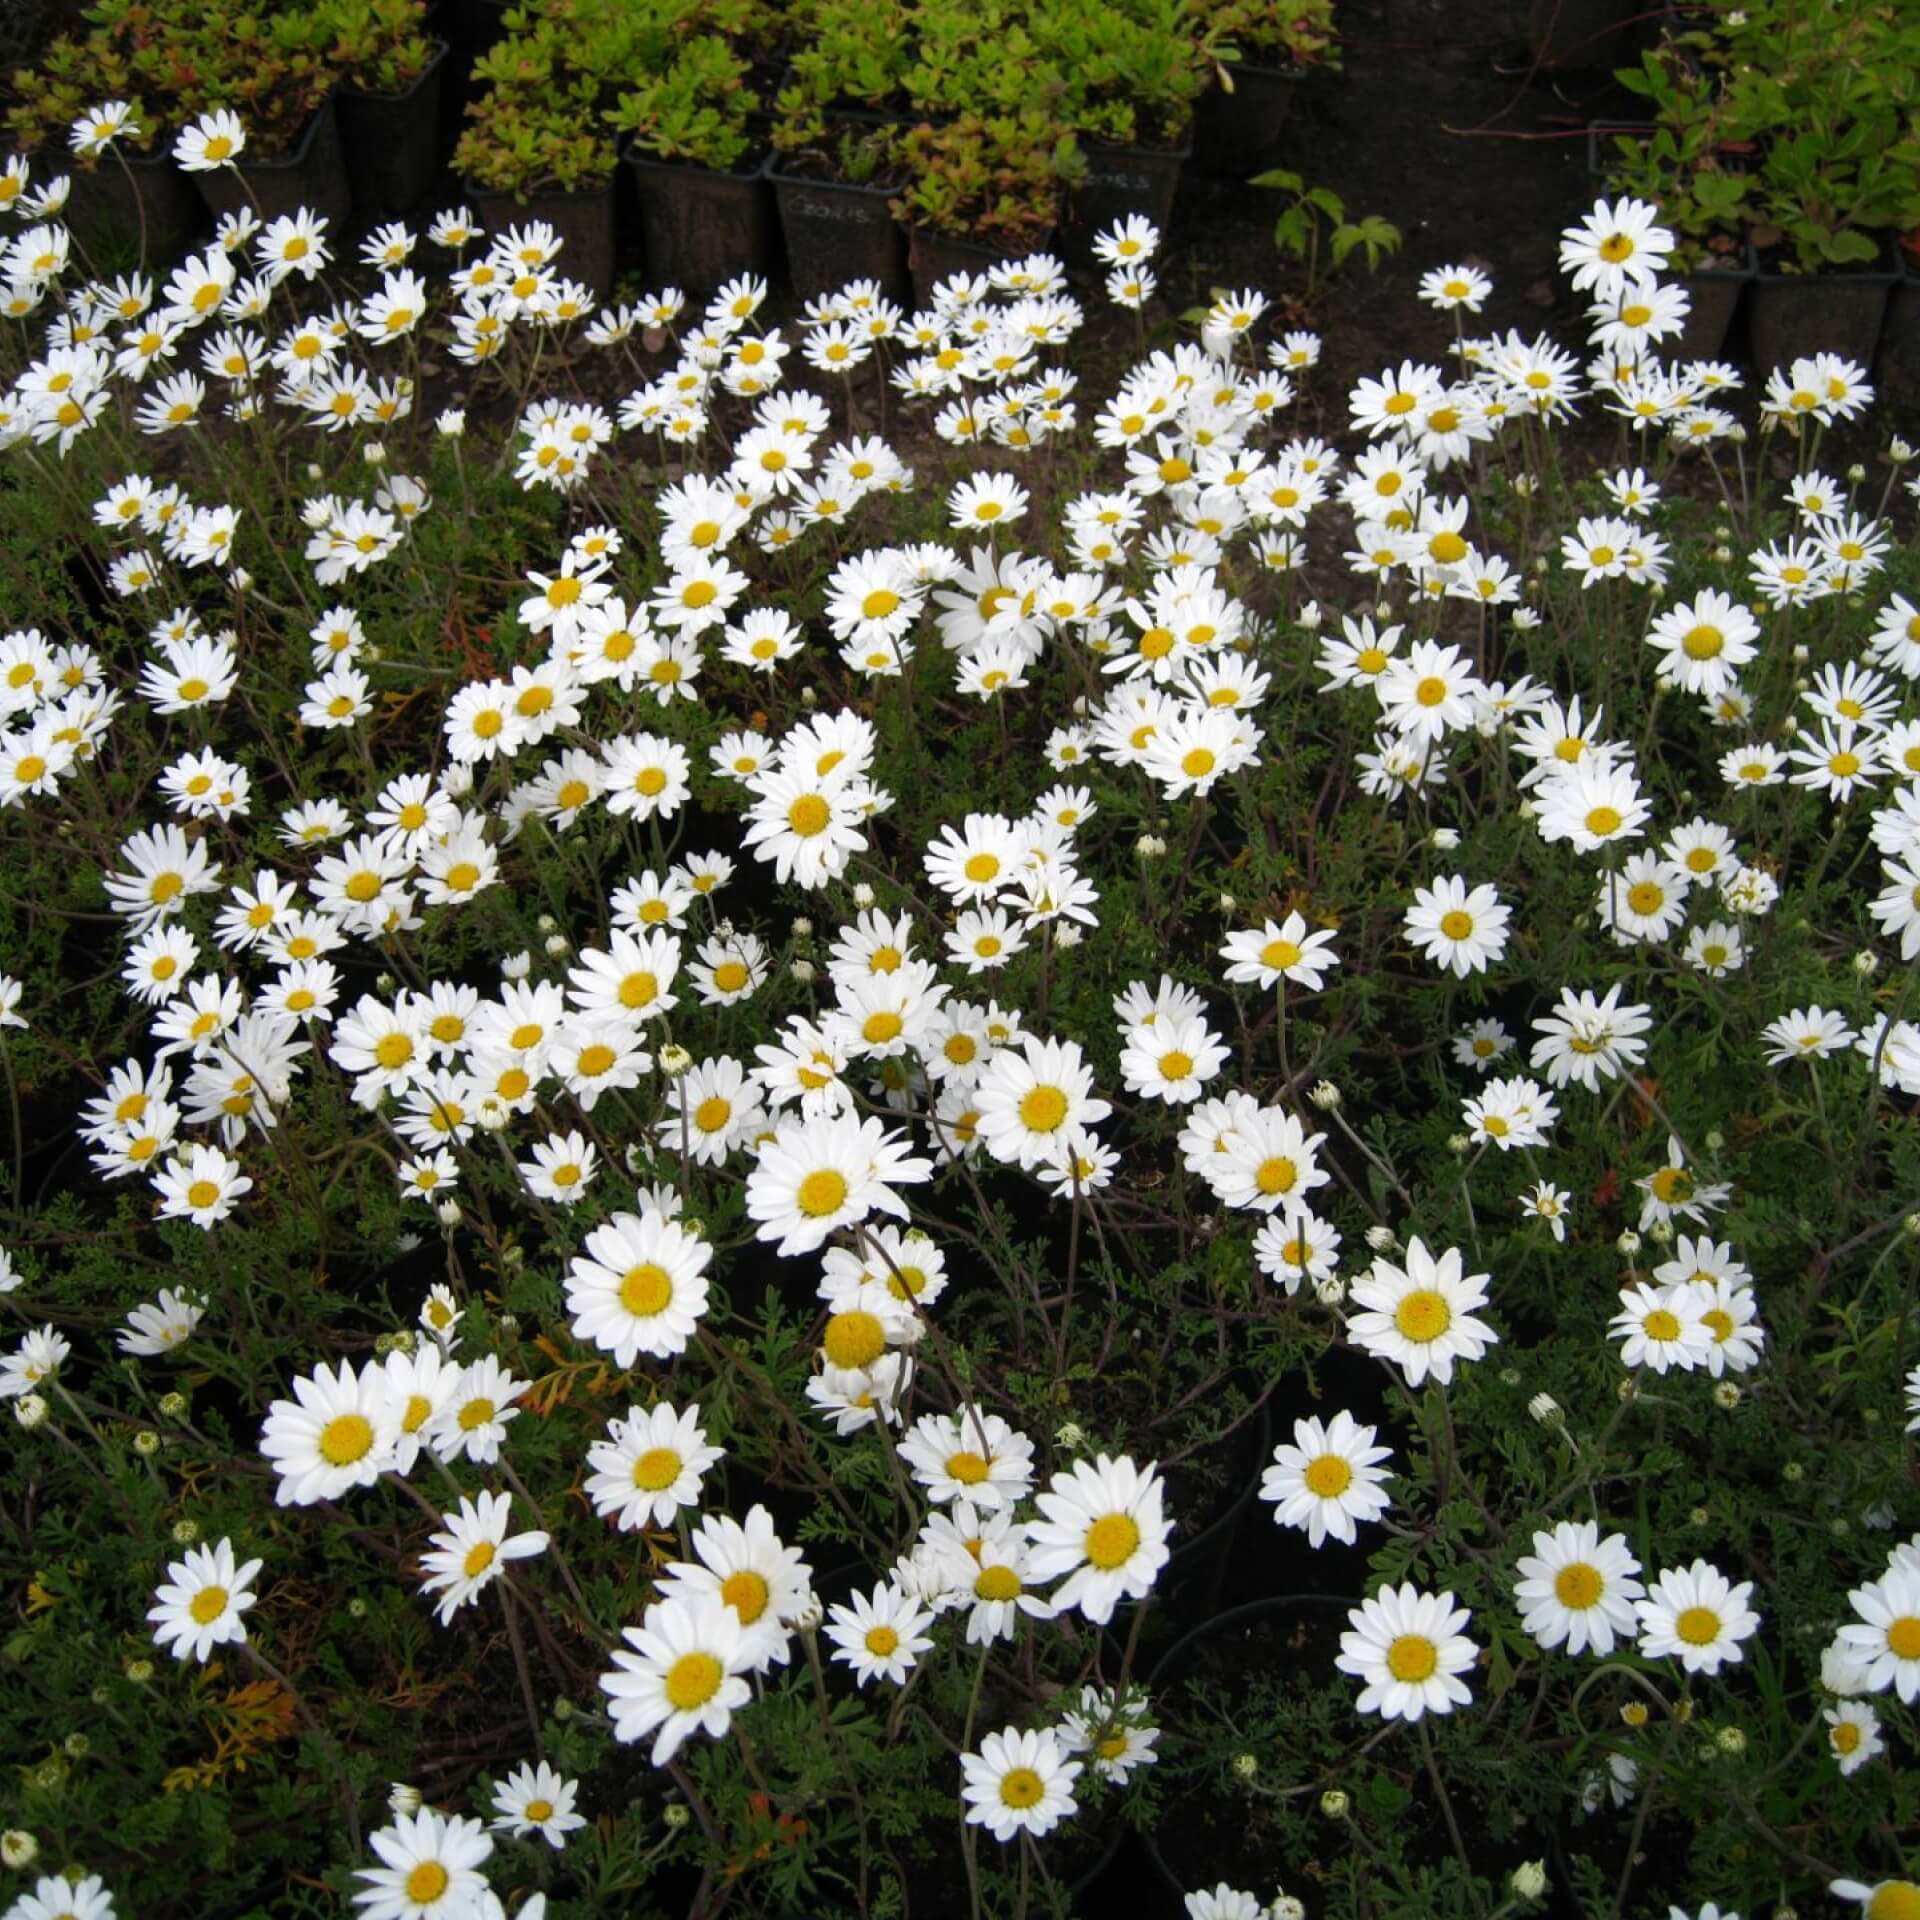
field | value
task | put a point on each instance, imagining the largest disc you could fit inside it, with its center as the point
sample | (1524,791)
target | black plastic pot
(1792,315)
(1716,293)
(1238,133)
(931,257)
(701,227)
(108,206)
(1896,372)
(313,175)
(1591,35)
(393,142)
(1325,1614)
(1120,181)
(582,217)
(835,233)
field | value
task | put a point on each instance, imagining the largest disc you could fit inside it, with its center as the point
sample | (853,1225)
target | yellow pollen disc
(639,989)
(1895,1900)
(1646,897)
(692,1681)
(363,887)
(1844,765)
(982,867)
(747,1594)
(1022,1788)
(822,1192)
(1661,1325)
(881,1027)
(808,815)
(1457,924)
(208,1605)
(652,781)
(730,976)
(1673,1185)
(1844,1738)
(1577,1586)
(960,1048)
(1698,1626)
(475,1414)
(645,1290)
(480,1557)
(346,1438)
(997,1583)
(29,768)
(1197,763)
(1370,660)
(202,1194)
(1903,1638)
(462,877)
(1401,403)
(564,591)
(1328,1477)
(1112,1541)
(595,1060)
(855,1339)
(429,1880)
(1603,820)
(882,1641)
(1423,1315)
(1277,1175)
(1447,547)
(656,1469)
(1412,1658)
(1043,1109)
(969,1468)
(1175,1065)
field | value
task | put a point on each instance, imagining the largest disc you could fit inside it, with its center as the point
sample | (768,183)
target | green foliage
(1317,215)
(1795,125)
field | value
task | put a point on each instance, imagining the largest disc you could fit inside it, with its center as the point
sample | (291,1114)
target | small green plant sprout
(1315,228)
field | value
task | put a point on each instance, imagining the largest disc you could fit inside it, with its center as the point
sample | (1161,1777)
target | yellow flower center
(1043,1109)
(1423,1315)
(1456,925)
(346,1438)
(429,1880)
(747,1594)
(1022,1788)
(1698,1626)
(1276,1175)
(1903,1638)
(1328,1477)
(208,1605)
(1112,1541)
(645,1290)
(656,1469)
(854,1339)
(1412,1658)
(692,1681)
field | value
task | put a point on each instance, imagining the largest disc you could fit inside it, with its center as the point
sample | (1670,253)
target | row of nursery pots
(1871,316)
(365,158)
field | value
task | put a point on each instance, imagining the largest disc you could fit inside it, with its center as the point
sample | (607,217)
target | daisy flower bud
(1325,1095)
(448,1211)
(1866,964)
(30,1410)
(403,1799)
(1458,1145)
(1443,839)
(1334,1803)
(173,1405)
(676,1816)
(803,928)
(1856,473)
(862,895)
(1627,1245)
(374,454)
(674,1060)
(1661,1232)
(185,1532)
(1246,1766)
(1726,1396)
(146,1442)
(1730,1740)
(801,970)
(139,1671)
(1330,1291)
(1070,1436)
(452,423)
(1310,615)
(1547,1410)
(1529,1879)
(1899,451)
(1286,1907)
(557,944)
(1068,936)
(1382,1239)
(18,1848)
